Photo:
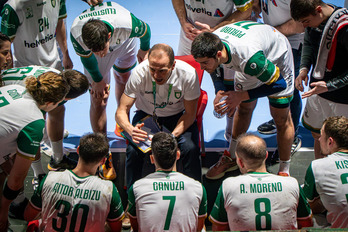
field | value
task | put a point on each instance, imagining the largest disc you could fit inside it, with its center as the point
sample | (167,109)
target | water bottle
(217,115)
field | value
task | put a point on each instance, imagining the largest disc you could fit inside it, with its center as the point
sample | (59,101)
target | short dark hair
(4,38)
(95,34)
(166,48)
(206,44)
(93,147)
(77,81)
(337,128)
(251,148)
(164,148)
(303,8)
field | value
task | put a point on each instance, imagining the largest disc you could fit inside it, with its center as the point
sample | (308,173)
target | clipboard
(151,127)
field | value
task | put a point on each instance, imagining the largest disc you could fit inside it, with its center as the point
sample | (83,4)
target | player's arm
(9,21)
(243,12)
(30,212)
(61,39)
(202,213)
(188,117)
(116,213)
(290,27)
(218,215)
(141,30)
(304,214)
(310,191)
(13,185)
(122,119)
(131,209)
(263,69)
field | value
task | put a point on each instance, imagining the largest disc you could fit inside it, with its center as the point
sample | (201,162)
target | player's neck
(259,169)
(172,169)
(83,170)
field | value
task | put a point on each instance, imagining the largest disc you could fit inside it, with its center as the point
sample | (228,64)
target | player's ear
(178,154)
(109,35)
(173,64)
(266,155)
(78,150)
(103,161)
(152,159)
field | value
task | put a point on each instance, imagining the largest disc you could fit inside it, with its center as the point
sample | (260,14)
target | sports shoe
(118,130)
(33,226)
(65,163)
(36,181)
(296,145)
(107,171)
(283,174)
(126,222)
(225,164)
(267,128)
(65,134)
(46,149)
(16,210)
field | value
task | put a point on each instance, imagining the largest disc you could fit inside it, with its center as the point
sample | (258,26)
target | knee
(121,78)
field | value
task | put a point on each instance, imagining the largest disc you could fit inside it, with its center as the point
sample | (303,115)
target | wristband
(9,193)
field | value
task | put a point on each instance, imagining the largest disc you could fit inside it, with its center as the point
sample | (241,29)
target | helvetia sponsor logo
(39,42)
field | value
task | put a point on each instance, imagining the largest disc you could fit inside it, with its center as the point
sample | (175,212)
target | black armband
(9,193)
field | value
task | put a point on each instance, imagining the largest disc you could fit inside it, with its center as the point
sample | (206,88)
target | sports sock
(232,148)
(229,124)
(57,148)
(20,197)
(284,166)
(37,167)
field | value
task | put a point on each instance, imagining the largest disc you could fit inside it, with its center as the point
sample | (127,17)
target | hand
(100,89)
(142,55)
(203,27)
(67,63)
(303,76)
(229,104)
(257,8)
(317,88)
(138,135)
(190,30)
(3,219)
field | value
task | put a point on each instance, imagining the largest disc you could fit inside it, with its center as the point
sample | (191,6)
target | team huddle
(299,41)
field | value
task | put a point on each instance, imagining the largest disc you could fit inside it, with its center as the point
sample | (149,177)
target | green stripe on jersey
(258,65)
(36,198)
(30,136)
(9,22)
(142,30)
(77,47)
(131,202)
(218,213)
(309,187)
(116,209)
(203,206)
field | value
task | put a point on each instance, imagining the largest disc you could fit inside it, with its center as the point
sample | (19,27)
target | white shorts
(318,109)
(122,60)
(184,47)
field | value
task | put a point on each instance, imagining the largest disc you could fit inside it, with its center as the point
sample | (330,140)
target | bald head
(160,50)
(251,149)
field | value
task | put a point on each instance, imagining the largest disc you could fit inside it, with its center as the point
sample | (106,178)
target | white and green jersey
(259,54)
(120,22)
(18,75)
(327,178)
(213,12)
(276,13)
(31,24)
(167,201)
(72,203)
(260,201)
(168,99)
(21,123)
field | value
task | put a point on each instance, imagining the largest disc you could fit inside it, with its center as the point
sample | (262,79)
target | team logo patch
(218,13)
(53,3)
(28,13)
(177,94)
(239,86)
(253,65)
